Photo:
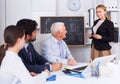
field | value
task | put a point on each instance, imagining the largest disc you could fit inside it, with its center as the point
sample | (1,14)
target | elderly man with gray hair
(54,49)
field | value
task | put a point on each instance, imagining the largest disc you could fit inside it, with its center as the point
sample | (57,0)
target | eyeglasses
(37,30)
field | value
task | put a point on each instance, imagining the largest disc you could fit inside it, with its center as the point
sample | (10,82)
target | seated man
(32,60)
(55,49)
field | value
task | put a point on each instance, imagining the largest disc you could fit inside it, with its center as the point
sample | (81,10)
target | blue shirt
(25,46)
(51,51)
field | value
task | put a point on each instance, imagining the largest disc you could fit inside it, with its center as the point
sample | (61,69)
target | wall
(17,9)
(43,8)
(2,19)
(11,11)
(62,9)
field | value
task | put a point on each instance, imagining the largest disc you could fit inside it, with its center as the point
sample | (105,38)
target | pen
(97,68)
(56,60)
(98,65)
(91,63)
(95,71)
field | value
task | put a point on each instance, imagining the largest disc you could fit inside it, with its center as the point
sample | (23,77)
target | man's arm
(36,68)
(40,60)
(32,68)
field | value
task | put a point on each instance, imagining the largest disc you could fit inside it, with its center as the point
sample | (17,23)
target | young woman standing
(102,34)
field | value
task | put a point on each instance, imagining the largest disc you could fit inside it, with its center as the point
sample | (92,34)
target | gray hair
(56,27)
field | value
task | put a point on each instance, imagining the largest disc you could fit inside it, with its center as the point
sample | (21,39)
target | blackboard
(74,26)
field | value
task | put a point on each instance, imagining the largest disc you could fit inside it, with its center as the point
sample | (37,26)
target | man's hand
(56,66)
(72,62)
(47,71)
(33,74)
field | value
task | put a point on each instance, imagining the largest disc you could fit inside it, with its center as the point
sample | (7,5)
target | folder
(91,16)
(76,75)
(52,78)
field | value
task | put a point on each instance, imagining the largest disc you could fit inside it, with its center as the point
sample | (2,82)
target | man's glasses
(37,30)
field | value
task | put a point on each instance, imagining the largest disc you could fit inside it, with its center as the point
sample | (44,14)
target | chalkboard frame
(84,42)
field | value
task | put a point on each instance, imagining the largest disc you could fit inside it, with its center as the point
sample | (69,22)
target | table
(112,79)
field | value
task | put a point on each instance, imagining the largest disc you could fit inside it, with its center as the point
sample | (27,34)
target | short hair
(101,6)
(56,27)
(28,25)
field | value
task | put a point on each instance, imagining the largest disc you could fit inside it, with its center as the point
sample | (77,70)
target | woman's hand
(97,36)
(89,35)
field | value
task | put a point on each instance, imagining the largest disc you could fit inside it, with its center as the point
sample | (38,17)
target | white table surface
(113,78)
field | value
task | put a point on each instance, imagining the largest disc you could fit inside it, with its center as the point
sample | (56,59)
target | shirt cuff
(50,67)
(64,61)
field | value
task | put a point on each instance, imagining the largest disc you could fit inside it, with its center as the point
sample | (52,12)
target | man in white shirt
(55,49)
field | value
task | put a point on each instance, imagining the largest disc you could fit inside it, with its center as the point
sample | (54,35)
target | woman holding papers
(12,63)
(102,34)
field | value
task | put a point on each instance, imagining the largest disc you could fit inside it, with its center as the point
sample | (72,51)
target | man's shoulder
(48,40)
(22,53)
(64,42)
(30,44)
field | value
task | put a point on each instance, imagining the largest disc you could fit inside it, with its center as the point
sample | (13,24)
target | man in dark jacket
(32,60)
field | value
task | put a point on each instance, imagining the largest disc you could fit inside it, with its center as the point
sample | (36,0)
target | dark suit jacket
(106,30)
(38,63)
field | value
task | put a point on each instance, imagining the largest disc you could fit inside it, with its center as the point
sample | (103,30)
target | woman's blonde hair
(101,6)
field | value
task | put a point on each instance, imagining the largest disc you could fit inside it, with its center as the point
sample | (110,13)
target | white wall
(11,11)
(43,8)
(16,10)
(62,9)
(2,19)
